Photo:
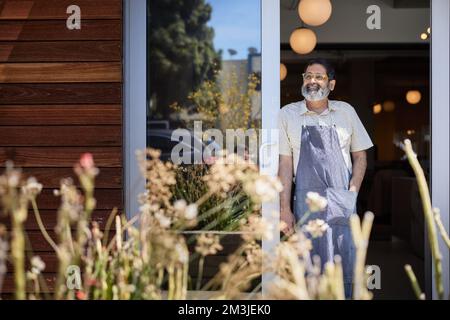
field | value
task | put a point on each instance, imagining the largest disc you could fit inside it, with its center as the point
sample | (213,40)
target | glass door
(150,110)
(212,85)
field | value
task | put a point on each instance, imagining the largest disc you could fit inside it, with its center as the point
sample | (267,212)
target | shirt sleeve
(360,138)
(284,143)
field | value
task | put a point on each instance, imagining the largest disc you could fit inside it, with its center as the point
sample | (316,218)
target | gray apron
(322,169)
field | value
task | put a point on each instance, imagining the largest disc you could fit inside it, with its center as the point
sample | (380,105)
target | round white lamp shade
(283,72)
(315,12)
(303,40)
(413,96)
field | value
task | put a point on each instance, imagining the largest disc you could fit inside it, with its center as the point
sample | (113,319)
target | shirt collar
(304,109)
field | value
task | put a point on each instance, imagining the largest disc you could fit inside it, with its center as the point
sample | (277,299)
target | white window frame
(135,100)
(270,90)
(440,122)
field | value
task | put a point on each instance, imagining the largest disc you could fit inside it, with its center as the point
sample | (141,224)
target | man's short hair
(331,73)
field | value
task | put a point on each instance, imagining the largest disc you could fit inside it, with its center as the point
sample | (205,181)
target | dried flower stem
(440,225)
(108,225)
(18,248)
(361,235)
(201,263)
(42,227)
(338,284)
(171,293)
(50,240)
(3,255)
(428,211)
(37,288)
(128,225)
(69,239)
(185,279)
(414,283)
(232,263)
(118,234)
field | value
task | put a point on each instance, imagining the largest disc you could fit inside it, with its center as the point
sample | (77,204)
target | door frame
(440,122)
(135,100)
(271,100)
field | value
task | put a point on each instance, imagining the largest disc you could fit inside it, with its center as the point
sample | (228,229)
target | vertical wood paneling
(61,96)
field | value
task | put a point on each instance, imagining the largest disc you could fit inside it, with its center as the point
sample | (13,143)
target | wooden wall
(61,96)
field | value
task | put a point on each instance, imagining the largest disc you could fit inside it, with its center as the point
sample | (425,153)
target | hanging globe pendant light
(315,12)
(413,96)
(303,40)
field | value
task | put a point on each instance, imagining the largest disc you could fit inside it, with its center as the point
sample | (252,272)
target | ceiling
(292,4)
(402,21)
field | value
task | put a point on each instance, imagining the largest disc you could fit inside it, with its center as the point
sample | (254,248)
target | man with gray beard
(319,138)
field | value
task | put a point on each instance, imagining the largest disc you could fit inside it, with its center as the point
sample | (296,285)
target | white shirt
(352,135)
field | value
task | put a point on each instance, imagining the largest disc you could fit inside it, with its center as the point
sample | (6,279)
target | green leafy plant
(216,213)
(223,103)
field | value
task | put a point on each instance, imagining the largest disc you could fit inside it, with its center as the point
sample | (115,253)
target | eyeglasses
(318,76)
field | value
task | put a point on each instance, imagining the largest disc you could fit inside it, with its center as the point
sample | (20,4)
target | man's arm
(285,173)
(359,170)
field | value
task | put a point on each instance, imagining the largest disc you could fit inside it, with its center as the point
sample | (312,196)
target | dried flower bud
(316,228)
(208,244)
(256,227)
(86,166)
(315,202)
(163,220)
(182,253)
(32,188)
(37,265)
(191,212)
(180,205)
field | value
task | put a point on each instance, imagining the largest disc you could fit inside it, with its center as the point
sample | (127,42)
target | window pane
(204,74)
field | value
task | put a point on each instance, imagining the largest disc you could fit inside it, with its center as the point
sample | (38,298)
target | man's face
(316,85)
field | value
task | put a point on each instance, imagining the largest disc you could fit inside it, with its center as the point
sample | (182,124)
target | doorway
(274,33)
(384,73)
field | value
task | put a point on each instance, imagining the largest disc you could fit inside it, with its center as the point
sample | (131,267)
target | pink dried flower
(87,161)
(81,295)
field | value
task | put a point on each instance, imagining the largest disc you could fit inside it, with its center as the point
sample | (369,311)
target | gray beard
(312,95)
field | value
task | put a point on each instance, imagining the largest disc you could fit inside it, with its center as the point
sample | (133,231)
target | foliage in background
(216,213)
(222,103)
(182,49)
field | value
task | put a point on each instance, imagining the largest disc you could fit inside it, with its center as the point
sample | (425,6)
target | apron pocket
(341,205)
